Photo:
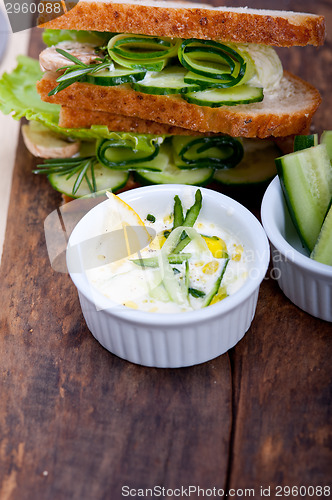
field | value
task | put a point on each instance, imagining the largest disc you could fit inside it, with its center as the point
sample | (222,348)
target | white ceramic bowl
(307,283)
(181,339)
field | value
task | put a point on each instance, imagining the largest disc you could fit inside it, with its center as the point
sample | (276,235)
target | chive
(178,212)
(151,218)
(193,212)
(189,221)
(215,238)
(187,278)
(216,286)
(154,262)
(182,244)
(196,293)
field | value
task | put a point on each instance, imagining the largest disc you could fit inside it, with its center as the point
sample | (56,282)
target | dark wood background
(77,422)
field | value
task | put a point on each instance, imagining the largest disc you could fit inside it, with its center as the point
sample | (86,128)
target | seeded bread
(281,113)
(74,117)
(191,20)
(85,118)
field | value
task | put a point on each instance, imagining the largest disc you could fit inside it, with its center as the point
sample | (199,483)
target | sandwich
(156,91)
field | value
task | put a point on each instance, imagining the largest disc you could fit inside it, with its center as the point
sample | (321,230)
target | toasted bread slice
(85,118)
(74,117)
(190,20)
(284,112)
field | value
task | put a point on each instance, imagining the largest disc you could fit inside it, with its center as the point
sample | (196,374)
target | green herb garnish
(196,293)
(82,166)
(189,220)
(178,212)
(76,73)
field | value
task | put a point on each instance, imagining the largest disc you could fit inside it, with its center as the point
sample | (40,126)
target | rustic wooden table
(77,422)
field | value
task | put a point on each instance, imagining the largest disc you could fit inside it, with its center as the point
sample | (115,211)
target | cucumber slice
(145,65)
(168,81)
(142,51)
(326,139)
(198,152)
(256,167)
(214,60)
(306,181)
(157,164)
(115,77)
(130,60)
(106,180)
(212,83)
(119,154)
(170,174)
(204,81)
(243,94)
(322,251)
(305,141)
(140,47)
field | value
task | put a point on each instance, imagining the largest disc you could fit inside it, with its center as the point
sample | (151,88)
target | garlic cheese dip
(189,264)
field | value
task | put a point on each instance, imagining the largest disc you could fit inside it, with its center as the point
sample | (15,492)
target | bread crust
(286,112)
(278,28)
(73,117)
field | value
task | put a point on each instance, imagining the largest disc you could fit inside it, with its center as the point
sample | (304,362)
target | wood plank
(281,371)
(76,421)
(282,394)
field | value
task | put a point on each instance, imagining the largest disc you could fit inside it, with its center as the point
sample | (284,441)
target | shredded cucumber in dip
(184,268)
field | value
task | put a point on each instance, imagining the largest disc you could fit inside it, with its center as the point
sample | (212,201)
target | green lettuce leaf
(19,97)
(97,38)
(18,94)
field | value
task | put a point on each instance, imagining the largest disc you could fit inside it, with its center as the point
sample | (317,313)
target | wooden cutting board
(76,422)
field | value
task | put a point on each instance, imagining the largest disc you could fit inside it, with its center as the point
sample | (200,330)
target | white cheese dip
(175,287)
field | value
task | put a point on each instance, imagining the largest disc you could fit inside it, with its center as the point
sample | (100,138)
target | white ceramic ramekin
(182,339)
(307,283)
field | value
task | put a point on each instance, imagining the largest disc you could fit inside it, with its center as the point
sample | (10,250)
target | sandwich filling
(203,72)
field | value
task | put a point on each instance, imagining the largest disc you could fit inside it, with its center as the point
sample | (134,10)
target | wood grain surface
(77,422)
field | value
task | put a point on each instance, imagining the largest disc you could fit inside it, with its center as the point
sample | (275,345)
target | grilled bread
(191,20)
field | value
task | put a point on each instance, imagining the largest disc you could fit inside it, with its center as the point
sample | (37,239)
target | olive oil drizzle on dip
(190,264)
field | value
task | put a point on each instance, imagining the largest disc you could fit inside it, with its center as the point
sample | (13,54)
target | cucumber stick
(326,139)
(322,251)
(305,141)
(306,181)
